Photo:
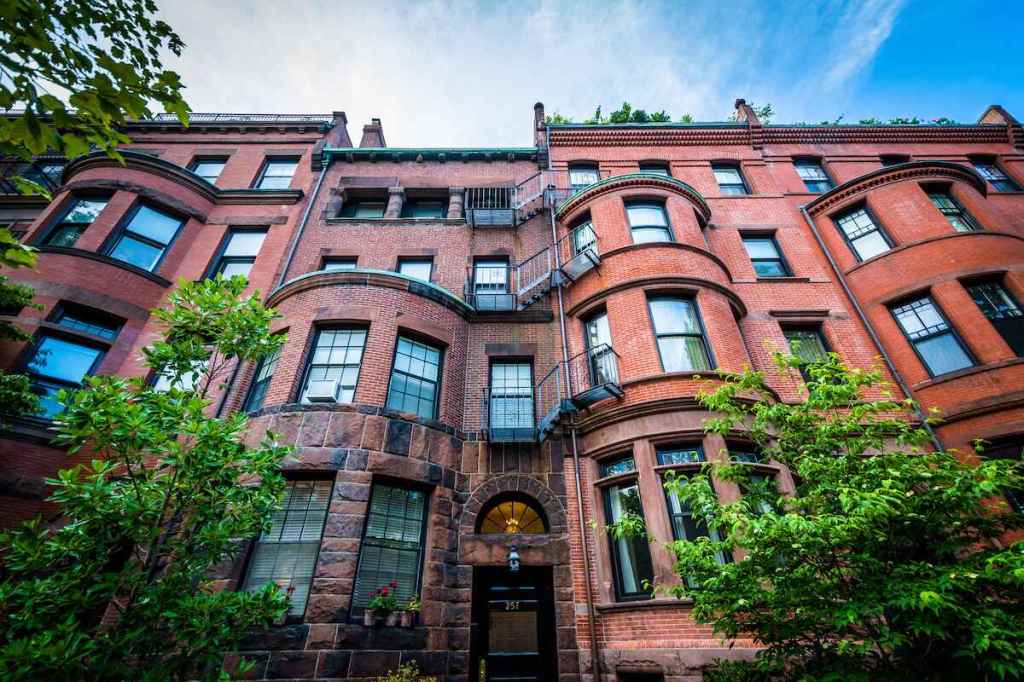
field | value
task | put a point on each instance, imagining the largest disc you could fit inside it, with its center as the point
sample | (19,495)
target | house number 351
(511,606)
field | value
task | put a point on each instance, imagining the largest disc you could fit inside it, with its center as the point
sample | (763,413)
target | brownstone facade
(601,268)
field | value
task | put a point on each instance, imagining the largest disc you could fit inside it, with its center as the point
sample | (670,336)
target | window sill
(394,221)
(967,371)
(789,279)
(612,607)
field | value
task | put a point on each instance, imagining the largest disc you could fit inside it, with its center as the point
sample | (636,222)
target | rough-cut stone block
(327,608)
(321,636)
(418,445)
(399,435)
(373,433)
(345,430)
(373,663)
(314,426)
(333,664)
(286,637)
(293,664)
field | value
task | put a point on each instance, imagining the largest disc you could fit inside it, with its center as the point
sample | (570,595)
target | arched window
(512,514)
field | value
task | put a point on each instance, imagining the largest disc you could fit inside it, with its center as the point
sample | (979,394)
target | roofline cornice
(352,154)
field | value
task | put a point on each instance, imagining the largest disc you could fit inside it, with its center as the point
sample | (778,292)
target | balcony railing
(509,415)
(578,252)
(488,288)
(507,205)
(593,375)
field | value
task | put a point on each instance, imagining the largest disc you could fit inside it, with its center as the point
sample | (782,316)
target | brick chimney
(373,135)
(337,136)
(539,136)
(745,113)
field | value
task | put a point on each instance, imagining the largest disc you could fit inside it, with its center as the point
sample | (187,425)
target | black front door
(513,624)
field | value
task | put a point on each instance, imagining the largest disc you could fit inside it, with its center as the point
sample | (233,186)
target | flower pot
(369,617)
(391,620)
(407,618)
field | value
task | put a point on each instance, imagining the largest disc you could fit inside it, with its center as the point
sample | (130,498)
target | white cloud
(443,73)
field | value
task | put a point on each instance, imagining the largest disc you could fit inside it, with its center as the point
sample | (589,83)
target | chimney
(337,136)
(745,114)
(373,135)
(539,122)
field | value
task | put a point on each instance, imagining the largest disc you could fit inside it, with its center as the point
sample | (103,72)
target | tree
(121,589)
(884,565)
(16,394)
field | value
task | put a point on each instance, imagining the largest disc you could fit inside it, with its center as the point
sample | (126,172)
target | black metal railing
(489,287)
(490,206)
(578,251)
(207,117)
(509,415)
(593,375)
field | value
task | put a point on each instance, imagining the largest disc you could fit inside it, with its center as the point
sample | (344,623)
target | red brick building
(490,348)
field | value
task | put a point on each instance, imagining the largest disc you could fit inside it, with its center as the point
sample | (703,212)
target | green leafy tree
(887,563)
(556,118)
(622,114)
(120,588)
(660,117)
(686,118)
(16,394)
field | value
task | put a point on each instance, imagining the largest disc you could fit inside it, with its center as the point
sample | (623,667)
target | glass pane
(337,355)
(728,175)
(420,269)
(620,465)
(649,235)
(680,454)
(273,182)
(512,516)
(581,176)
(943,353)
(65,235)
(281,169)
(137,253)
(632,555)
(654,169)
(598,332)
(232,268)
(208,170)
(674,315)
(683,353)
(340,264)
(392,545)
(870,245)
(88,324)
(245,243)
(760,247)
(806,344)
(85,211)
(769,268)
(646,215)
(59,359)
(424,209)
(154,224)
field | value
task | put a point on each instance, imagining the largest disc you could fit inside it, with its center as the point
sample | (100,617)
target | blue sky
(443,73)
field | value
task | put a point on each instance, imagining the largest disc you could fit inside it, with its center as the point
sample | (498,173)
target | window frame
(308,361)
(200,159)
(354,260)
(817,330)
(352,205)
(958,210)
(408,260)
(992,162)
(893,306)
(1016,346)
(706,343)
(879,228)
(771,238)
(269,160)
(658,204)
(355,611)
(220,260)
(114,239)
(605,486)
(441,348)
(656,167)
(409,202)
(272,359)
(582,165)
(809,161)
(495,361)
(742,184)
(45,236)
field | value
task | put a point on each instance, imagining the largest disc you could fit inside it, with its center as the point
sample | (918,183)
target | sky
(463,74)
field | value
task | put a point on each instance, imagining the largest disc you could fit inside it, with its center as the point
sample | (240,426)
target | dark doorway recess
(513,625)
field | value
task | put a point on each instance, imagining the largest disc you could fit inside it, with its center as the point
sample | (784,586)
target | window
(617,466)
(62,362)
(277,173)
(434,209)
(79,216)
(814,176)
(745,453)
(286,554)
(186,382)
(686,527)
(208,168)
(1002,310)
(991,171)
(144,239)
(959,218)
(893,159)
(336,358)
(516,514)
(597,337)
(648,222)
(583,238)
(865,237)
(414,378)
(928,331)
(393,541)
(1012,450)
(332,263)
(420,268)
(490,284)
(765,255)
(364,208)
(45,173)
(730,180)
(240,250)
(631,556)
(760,486)
(679,334)
(679,454)
(511,401)
(582,176)
(261,381)
(806,344)
(655,168)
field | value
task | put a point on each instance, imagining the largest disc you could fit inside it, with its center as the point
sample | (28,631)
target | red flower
(384,591)
(394,584)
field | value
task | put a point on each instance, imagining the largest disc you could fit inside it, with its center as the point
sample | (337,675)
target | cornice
(650,180)
(905,134)
(654,135)
(914,170)
(382,154)
(181,176)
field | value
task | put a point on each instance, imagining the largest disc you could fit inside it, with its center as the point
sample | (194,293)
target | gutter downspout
(870,329)
(581,520)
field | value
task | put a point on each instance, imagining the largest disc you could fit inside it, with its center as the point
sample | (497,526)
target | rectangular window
(765,255)
(369,209)
(631,556)
(679,334)
(511,400)
(58,363)
(582,176)
(959,218)
(655,168)
(490,284)
(996,177)
(865,237)
(730,179)
(603,367)
(648,222)
(208,168)
(339,263)
(583,239)
(745,454)
(415,378)
(616,466)
(277,173)
(240,251)
(686,527)
(78,217)
(679,454)
(261,381)
(435,209)
(814,176)
(1002,310)
(334,363)
(893,159)
(806,344)
(393,543)
(144,239)
(88,322)
(420,268)
(934,340)
(286,554)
